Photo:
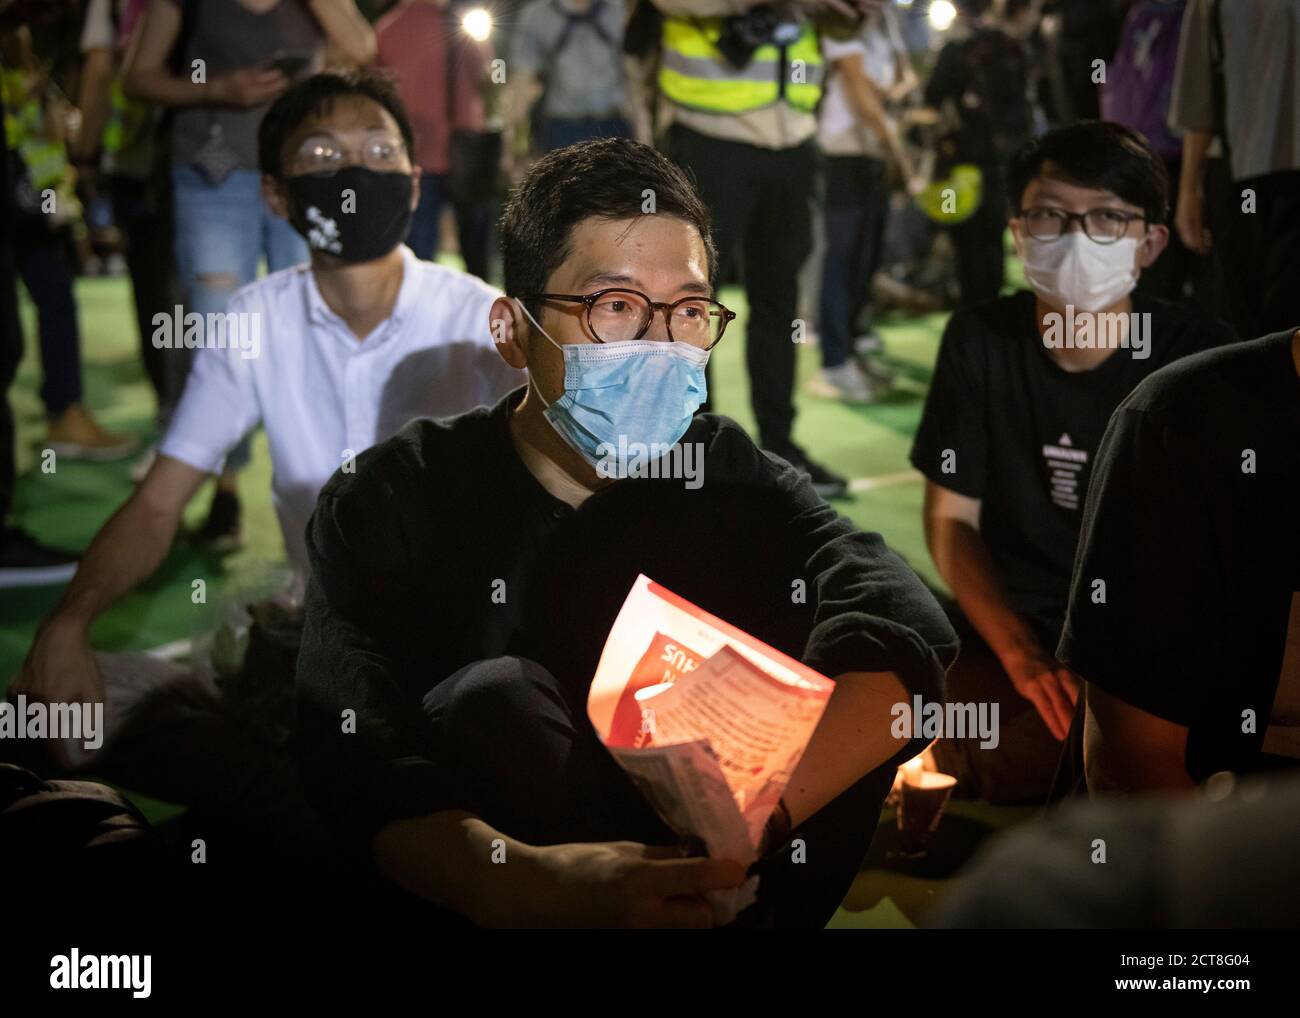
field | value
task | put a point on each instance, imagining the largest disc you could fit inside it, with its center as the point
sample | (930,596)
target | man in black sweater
(466,574)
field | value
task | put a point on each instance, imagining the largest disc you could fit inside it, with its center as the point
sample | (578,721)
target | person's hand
(920,116)
(902,89)
(1189,221)
(854,9)
(249,86)
(851,9)
(1046,683)
(620,884)
(60,666)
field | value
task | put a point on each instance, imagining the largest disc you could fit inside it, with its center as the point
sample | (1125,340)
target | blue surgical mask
(641,391)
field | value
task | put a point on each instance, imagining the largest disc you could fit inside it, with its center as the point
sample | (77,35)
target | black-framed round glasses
(1105,226)
(616,315)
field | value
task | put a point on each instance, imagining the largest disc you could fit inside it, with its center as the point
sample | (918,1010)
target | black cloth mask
(355,214)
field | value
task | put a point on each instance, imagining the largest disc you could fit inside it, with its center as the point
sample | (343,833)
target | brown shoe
(77,435)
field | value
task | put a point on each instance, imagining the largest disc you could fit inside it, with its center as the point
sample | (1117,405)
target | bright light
(477,24)
(942,15)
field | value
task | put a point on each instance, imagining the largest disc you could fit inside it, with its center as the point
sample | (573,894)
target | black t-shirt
(408,552)
(1005,424)
(1193,524)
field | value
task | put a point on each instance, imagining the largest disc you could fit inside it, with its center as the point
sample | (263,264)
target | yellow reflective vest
(694,74)
(46,159)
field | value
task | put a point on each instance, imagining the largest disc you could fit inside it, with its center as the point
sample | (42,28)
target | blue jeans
(222,232)
(857,207)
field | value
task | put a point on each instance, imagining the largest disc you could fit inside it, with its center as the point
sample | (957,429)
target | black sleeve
(1148,635)
(951,444)
(873,613)
(383,771)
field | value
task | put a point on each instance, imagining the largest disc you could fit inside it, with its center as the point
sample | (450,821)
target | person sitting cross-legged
(1022,390)
(332,357)
(465,577)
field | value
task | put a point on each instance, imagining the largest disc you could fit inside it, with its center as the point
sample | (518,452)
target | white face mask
(1074,269)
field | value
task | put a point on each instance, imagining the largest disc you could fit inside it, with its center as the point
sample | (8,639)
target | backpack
(571,21)
(1140,78)
(997,116)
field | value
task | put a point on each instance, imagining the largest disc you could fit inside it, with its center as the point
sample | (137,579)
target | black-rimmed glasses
(1105,226)
(617,315)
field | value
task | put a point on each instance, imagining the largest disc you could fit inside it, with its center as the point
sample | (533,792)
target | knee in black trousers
(529,763)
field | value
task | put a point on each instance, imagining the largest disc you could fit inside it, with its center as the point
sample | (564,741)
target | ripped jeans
(222,232)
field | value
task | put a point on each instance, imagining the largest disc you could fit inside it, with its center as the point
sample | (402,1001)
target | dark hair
(1098,154)
(605,179)
(315,95)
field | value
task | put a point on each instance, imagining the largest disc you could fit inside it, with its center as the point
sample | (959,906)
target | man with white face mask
(1020,397)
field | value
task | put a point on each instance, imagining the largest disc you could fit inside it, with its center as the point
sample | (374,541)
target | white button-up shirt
(322,395)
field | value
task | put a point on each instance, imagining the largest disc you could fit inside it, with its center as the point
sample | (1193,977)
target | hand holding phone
(288,64)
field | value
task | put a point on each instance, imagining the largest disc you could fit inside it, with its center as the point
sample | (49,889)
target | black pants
(142,210)
(473,225)
(977,242)
(46,269)
(528,762)
(11,353)
(1261,273)
(761,203)
(1178,270)
(1021,768)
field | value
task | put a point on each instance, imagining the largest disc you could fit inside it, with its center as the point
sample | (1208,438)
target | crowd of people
(1110,455)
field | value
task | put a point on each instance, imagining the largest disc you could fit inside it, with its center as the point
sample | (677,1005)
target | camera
(768,24)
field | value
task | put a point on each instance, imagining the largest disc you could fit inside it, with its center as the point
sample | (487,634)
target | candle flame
(911,771)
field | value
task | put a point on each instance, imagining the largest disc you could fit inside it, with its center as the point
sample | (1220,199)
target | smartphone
(289,64)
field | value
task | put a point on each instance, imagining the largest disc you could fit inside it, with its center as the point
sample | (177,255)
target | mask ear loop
(538,325)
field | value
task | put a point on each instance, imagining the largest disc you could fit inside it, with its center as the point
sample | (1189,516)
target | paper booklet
(707,721)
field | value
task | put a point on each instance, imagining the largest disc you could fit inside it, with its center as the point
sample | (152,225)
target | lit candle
(912,771)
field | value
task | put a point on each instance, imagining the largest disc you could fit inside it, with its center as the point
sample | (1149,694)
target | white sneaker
(868,343)
(847,382)
(881,375)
